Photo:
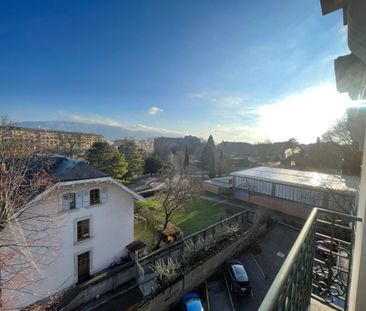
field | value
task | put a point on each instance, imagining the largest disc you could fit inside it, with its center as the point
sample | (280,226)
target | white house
(89,221)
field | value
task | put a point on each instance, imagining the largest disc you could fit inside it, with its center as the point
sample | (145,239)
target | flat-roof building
(294,192)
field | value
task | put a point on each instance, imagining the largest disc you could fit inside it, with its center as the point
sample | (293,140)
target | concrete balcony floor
(315,305)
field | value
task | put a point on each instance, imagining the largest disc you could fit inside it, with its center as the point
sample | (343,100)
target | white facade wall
(357,300)
(111,226)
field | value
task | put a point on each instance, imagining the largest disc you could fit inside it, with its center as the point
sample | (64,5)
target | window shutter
(104,195)
(79,199)
(65,202)
(86,198)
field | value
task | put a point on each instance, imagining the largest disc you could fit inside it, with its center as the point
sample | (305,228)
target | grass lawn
(146,235)
(198,214)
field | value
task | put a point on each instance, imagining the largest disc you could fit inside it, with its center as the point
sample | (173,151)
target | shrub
(166,272)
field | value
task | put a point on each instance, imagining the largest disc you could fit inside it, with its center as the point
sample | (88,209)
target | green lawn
(196,215)
(146,235)
(199,214)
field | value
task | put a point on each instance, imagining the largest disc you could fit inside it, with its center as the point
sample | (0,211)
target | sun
(304,116)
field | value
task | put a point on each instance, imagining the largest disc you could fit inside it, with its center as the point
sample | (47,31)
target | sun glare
(304,116)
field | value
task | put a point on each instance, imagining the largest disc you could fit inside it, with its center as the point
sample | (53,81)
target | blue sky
(241,70)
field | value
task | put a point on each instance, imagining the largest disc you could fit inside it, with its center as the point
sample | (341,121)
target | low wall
(195,277)
(118,276)
(101,285)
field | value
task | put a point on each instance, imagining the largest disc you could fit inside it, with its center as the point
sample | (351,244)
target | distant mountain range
(108,131)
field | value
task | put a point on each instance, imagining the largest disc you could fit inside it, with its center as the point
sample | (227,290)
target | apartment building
(49,140)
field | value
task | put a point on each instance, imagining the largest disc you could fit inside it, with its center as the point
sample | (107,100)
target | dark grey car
(237,277)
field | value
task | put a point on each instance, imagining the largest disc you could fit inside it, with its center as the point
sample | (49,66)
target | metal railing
(318,265)
(176,251)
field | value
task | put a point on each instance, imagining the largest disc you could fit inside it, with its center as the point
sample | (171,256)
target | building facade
(294,192)
(94,225)
(48,140)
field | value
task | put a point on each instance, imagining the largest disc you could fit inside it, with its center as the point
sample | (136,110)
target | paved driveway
(262,265)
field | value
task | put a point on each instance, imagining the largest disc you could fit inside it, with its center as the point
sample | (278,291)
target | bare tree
(339,134)
(69,145)
(25,229)
(176,191)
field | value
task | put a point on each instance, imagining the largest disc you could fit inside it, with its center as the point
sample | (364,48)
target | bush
(166,272)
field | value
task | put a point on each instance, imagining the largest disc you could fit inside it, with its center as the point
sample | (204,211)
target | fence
(142,271)
(167,296)
(176,251)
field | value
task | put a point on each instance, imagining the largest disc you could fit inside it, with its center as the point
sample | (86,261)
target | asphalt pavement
(262,264)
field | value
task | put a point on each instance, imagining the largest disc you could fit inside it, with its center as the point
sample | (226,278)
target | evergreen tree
(116,165)
(206,152)
(105,158)
(221,163)
(98,153)
(211,165)
(152,165)
(210,142)
(136,163)
(186,160)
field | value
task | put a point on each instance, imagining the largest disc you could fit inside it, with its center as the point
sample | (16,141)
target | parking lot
(262,263)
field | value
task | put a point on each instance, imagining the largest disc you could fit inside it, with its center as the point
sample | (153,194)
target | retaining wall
(194,278)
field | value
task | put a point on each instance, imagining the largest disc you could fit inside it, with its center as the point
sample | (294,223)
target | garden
(195,215)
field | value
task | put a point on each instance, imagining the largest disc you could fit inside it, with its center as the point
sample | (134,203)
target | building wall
(112,230)
(283,206)
(49,140)
(210,188)
(358,278)
(293,195)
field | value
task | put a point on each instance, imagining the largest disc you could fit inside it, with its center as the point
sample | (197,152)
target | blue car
(191,302)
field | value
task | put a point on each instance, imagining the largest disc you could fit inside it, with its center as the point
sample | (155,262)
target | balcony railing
(318,265)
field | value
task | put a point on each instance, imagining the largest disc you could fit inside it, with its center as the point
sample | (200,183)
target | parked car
(325,247)
(237,277)
(191,302)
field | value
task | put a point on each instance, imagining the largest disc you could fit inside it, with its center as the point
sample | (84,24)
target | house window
(83,229)
(94,196)
(68,201)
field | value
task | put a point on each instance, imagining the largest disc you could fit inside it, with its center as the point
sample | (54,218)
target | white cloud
(158,130)
(234,133)
(154,110)
(230,101)
(197,95)
(218,101)
(136,128)
(95,120)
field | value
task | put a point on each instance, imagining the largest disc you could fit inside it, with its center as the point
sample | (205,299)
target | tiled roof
(62,168)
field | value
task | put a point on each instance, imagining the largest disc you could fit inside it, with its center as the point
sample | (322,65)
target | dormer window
(94,196)
(68,201)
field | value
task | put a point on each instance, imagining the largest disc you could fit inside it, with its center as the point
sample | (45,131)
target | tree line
(121,165)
